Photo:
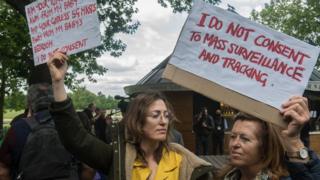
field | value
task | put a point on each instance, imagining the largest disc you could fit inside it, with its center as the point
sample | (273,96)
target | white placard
(243,56)
(70,25)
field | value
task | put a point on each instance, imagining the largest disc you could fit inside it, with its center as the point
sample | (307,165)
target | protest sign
(239,62)
(70,25)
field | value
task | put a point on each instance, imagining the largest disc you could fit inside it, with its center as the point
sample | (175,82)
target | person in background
(148,153)
(89,111)
(261,150)
(108,129)
(218,133)
(202,127)
(13,150)
(100,124)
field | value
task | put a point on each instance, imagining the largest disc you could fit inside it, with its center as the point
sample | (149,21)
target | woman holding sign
(260,150)
(146,152)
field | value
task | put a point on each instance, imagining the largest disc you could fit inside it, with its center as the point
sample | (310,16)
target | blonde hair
(272,148)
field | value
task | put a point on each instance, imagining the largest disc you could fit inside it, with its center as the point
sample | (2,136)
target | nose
(235,142)
(163,119)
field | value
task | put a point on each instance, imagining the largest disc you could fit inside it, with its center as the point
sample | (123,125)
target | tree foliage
(14,50)
(16,63)
(297,18)
(182,5)
(82,98)
(16,101)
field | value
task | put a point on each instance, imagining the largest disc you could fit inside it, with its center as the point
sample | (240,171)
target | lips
(162,131)
(234,154)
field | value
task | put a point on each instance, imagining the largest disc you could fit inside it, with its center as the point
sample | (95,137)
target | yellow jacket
(168,167)
(190,167)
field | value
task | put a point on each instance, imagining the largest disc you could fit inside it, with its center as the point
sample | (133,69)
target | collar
(235,174)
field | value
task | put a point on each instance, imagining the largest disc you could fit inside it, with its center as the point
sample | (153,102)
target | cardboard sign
(240,62)
(70,25)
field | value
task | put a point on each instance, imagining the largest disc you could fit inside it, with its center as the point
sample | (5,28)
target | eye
(244,139)
(155,116)
(233,136)
(167,115)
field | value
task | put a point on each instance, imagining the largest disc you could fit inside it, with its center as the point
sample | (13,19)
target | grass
(10,114)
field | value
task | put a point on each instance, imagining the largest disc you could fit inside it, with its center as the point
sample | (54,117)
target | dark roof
(154,76)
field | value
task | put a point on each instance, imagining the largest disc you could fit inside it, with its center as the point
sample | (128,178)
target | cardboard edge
(222,94)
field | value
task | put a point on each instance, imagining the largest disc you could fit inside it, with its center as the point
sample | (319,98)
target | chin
(160,138)
(236,163)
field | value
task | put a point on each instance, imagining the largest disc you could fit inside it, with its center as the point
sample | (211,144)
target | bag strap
(43,117)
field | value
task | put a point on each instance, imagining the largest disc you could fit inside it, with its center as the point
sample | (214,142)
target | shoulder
(188,155)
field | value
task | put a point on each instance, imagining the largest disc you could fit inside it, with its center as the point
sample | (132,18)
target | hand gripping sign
(231,59)
(70,25)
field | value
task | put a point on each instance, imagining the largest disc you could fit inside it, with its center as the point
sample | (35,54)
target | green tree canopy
(16,63)
(16,101)
(297,18)
(82,98)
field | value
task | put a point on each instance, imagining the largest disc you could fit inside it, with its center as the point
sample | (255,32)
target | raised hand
(296,112)
(58,66)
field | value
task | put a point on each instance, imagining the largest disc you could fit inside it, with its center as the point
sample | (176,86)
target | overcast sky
(154,40)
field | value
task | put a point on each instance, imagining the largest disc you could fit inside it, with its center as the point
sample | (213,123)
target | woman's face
(245,144)
(156,123)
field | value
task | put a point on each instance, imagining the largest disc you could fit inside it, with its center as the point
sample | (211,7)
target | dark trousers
(202,144)
(218,143)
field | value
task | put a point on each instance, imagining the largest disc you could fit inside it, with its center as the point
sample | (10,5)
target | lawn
(10,114)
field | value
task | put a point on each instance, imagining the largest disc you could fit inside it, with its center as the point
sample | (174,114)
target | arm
(211,123)
(308,171)
(75,138)
(296,112)
(197,119)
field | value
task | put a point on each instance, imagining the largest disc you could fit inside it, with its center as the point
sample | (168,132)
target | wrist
(293,145)
(59,91)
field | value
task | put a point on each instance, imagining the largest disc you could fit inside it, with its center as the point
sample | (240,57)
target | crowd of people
(141,147)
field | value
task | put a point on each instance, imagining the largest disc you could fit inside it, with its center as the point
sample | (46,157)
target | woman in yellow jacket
(148,155)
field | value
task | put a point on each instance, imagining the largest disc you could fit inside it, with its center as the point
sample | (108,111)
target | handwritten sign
(243,56)
(71,25)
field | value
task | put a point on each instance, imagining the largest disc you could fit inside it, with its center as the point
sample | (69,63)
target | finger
(295,107)
(302,102)
(296,99)
(58,59)
(293,116)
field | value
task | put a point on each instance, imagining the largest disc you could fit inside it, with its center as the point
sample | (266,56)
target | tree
(297,18)
(114,15)
(14,49)
(106,102)
(182,5)
(17,101)
(82,97)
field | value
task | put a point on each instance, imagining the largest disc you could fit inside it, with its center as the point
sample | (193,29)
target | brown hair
(135,119)
(272,149)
